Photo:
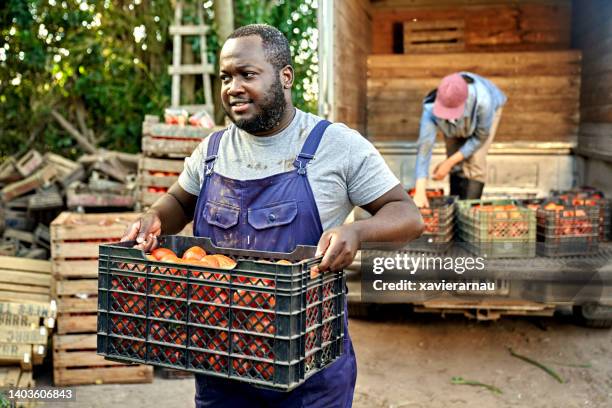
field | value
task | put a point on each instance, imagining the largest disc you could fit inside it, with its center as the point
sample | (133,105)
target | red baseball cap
(451,97)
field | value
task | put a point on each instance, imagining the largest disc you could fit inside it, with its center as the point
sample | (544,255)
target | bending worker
(466,108)
(276,178)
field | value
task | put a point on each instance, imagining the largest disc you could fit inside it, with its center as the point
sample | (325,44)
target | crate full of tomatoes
(439,219)
(564,229)
(587,196)
(252,316)
(496,228)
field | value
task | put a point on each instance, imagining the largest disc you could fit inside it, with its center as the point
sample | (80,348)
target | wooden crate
(433,36)
(155,176)
(163,140)
(16,377)
(36,180)
(74,249)
(25,279)
(75,362)
(86,197)
(26,355)
(29,162)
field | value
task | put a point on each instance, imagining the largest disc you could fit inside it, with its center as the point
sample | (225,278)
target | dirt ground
(407,361)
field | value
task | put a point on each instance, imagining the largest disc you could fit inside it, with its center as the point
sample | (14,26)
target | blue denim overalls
(274,213)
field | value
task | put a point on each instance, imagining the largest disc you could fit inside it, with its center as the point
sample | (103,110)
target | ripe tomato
(242,297)
(215,363)
(266,370)
(225,262)
(209,261)
(194,253)
(159,253)
(241,366)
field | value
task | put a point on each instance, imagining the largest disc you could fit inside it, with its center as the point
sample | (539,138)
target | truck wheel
(590,315)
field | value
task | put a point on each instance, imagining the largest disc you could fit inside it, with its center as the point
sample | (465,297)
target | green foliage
(298,21)
(111,58)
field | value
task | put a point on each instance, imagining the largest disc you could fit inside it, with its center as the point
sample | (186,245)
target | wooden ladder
(178,31)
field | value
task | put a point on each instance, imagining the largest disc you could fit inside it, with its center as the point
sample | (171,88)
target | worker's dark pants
(468,181)
(465,188)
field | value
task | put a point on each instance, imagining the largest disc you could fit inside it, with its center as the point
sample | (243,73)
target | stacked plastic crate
(497,228)
(590,197)
(164,148)
(439,219)
(75,239)
(565,229)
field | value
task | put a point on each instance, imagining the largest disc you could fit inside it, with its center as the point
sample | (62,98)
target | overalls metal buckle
(301,167)
(209,167)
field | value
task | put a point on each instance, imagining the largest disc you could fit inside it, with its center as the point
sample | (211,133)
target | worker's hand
(420,198)
(338,246)
(145,231)
(442,170)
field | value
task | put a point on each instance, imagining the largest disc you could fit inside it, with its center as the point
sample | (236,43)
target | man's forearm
(420,184)
(455,158)
(386,226)
(170,213)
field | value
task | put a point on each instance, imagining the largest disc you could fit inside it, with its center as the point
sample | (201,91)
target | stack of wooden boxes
(27,316)
(74,248)
(164,148)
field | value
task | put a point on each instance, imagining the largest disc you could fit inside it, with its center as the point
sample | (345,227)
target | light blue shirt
(484,99)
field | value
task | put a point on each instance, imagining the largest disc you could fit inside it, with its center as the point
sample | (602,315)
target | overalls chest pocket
(274,225)
(222,217)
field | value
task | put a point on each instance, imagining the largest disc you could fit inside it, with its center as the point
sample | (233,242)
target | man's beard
(271,109)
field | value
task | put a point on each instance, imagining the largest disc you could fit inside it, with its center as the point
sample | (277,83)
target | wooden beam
(188,30)
(81,140)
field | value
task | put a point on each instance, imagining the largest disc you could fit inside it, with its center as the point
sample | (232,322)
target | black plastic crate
(568,221)
(554,246)
(605,214)
(590,197)
(439,215)
(439,241)
(262,323)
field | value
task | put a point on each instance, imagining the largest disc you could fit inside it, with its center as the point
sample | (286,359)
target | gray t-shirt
(347,170)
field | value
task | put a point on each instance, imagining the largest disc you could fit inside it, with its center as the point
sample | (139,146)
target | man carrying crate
(279,177)
(466,108)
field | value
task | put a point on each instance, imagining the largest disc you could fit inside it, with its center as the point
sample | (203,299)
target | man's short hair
(275,44)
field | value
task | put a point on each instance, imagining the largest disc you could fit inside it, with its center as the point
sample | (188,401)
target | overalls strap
(211,153)
(310,146)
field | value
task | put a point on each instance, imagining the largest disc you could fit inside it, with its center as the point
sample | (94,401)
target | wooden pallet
(75,362)
(75,264)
